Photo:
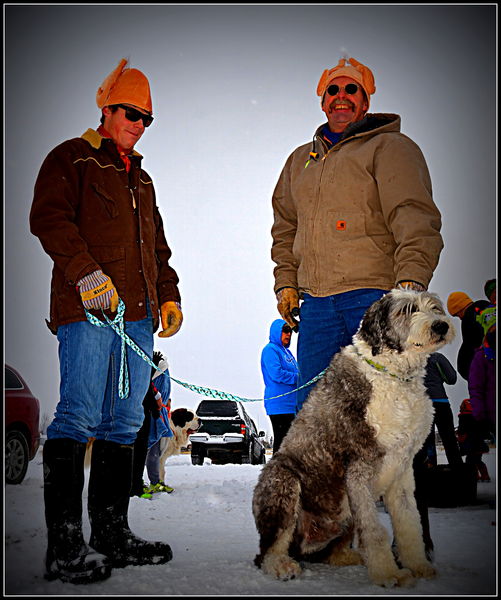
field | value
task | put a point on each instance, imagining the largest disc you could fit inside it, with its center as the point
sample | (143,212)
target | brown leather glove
(172,317)
(288,306)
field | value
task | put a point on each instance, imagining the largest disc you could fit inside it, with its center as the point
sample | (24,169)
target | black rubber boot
(68,556)
(108,502)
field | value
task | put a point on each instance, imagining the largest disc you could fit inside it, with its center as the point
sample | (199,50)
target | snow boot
(68,557)
(108,507)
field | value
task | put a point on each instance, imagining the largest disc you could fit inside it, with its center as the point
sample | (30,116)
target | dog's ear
(181,416)
(376,327)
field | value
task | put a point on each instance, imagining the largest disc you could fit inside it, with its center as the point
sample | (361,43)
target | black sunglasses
(286,329)
(131,114)
(351,88)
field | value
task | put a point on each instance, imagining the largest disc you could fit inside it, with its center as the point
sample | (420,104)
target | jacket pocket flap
(109,202)
(107,254)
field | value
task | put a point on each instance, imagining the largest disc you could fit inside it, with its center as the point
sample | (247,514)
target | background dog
(183,422)
(354,441)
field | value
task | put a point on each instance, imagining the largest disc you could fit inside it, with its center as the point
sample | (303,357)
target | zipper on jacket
(317,204)
(133,199)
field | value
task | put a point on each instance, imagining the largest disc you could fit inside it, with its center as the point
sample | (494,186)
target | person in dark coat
(95,213)
(462,306)
(439,371)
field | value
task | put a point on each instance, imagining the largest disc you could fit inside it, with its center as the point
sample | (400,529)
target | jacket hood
(382,122)
(276,331)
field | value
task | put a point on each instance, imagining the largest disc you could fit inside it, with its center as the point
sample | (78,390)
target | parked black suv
(227,435)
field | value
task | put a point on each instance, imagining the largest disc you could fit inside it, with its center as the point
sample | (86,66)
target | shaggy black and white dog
(353,442)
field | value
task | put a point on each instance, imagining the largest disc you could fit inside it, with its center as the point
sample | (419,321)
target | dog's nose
(440,327)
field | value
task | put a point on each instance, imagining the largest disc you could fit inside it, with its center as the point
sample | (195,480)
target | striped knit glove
(97,291)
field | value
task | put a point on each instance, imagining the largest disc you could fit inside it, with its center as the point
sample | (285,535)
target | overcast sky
(234,93)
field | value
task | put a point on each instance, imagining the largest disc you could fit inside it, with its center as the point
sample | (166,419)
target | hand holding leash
(288,306)
(97,291)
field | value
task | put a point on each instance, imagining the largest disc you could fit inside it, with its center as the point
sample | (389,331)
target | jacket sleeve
(446,370)
(275,369)
(405,193)
(53,216)
(283,231)
(167,283)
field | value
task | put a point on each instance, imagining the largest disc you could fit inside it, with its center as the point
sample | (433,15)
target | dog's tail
(275,507)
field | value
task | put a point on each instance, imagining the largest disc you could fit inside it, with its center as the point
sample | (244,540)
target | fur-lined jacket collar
(382,122)
(95,139)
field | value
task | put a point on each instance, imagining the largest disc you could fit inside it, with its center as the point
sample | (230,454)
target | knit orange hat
(354,70)
(457,301)
(125,86)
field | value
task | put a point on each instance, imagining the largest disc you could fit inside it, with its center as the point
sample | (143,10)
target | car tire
(248,457)
(16,457)
(197,460)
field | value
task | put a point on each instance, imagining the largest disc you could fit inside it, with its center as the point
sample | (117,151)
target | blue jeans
(153,463)
(327,324)
(89,361)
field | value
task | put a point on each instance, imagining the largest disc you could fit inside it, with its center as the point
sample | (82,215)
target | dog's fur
(354,441)
(182,422)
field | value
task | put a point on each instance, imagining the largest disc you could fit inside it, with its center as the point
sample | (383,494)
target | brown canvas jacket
(83,214)
(360,215)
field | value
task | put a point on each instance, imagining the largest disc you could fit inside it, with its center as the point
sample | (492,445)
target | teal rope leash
(119,327)
(123,386)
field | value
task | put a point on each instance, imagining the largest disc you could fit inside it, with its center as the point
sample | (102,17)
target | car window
(253,426)
(217,408)
(12,381)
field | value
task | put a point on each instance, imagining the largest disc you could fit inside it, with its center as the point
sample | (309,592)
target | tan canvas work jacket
(89,214)
(360,215)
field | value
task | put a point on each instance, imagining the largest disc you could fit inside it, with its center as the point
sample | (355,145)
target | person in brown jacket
(353,218)
(94,211)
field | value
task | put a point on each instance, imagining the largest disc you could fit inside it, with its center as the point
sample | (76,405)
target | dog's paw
(425,570)
(393,578)
(281,566)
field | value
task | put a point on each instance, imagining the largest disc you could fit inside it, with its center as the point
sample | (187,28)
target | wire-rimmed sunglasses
(350,88)
(131,114)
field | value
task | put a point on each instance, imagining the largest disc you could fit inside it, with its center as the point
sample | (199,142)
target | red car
(22,430)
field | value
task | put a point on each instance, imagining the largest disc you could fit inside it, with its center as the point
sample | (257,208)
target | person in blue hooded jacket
(280,374)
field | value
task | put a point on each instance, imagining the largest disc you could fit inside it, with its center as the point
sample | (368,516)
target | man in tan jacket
(95,214)
(353,218)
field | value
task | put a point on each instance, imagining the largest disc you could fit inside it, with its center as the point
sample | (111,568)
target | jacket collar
(95,140)
(372,122)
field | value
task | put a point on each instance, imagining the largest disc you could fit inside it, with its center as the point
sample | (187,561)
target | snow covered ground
(208,522)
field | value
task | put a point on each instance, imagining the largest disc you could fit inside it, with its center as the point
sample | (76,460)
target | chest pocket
(108,201)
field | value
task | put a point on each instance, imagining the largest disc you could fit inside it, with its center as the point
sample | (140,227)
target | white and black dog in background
(353,442)
(183,422)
